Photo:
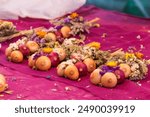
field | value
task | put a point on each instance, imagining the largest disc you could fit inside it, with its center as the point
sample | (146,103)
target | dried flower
(41,34)
(96,45)
(111,63)
(139,55)
(129,55)
(47,50)
(74,15)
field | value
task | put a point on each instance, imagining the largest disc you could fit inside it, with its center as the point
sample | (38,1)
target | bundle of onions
(68,70)
(107,76)
(14,56)
(42,62)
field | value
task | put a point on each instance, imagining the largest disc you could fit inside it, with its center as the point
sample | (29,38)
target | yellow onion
(109,80)
(16,56)
(95,77)
(90,63)
(43,63)
(3,85)
(61,69)
(71,72)
(31,61)
(65,30)
(33,46)
(8,51)
(50,36)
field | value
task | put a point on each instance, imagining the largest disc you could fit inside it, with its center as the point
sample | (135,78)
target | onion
(8,51)
(16,56)
(61,52)
(109,80)
(71,72)
(82,68)
(43,63)
(65,30)
(31,61)
(25,51)
(50,36)
(95,77)
(61,69)
(54,59)
(126,69)
(90,63)
(33,46)
(3,85)
(120,76)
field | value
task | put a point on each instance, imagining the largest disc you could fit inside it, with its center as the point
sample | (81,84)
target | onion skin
(16,56)
(126,69)
(8,51)
(109,80)
(65,31)
(90,63)
(33,46)
(50,36)
(71,72)
(3,85)
(43,63)
(82,68)
(120,76)
(95,77)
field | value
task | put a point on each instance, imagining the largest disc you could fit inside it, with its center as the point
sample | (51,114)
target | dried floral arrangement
(57,47)
(74,59)
(7,28)
(74,24)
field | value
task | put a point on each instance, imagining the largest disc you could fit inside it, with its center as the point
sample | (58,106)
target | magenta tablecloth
(122,31)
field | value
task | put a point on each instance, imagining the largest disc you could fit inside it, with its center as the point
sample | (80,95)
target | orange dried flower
(47,50)
(41,34)
(139,55)
(74,15)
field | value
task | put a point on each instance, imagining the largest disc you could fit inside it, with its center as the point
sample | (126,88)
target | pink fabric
(123,31)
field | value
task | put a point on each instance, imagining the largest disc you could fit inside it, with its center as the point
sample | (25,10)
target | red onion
(82,68)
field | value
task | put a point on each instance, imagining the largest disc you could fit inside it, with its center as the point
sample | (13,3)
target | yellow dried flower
(41,34)
(74,15)
(129,55)
(112,63)
(47,50)
(96,45)
(139,55)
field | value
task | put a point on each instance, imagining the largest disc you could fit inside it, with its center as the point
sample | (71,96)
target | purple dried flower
(66,20)
(42,41)
(33,36)
(108,69)
(37,55)
(58,27)
(36,39)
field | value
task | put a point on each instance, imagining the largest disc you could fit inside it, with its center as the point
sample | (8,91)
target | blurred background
(135,7)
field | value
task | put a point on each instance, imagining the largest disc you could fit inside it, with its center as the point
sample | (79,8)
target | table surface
(123,31)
